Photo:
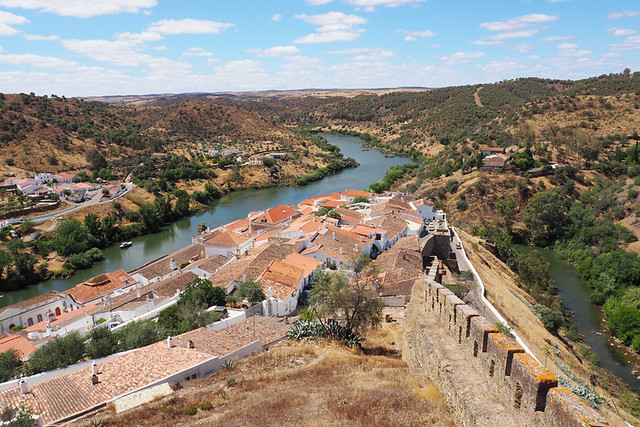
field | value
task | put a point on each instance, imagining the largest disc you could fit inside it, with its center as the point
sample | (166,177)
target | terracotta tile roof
(333,203)
(227,238)
(162,267)
(350,212)
(276,290)
(168,287)
(364,230)
(311,227)
(210,264)
(239,226)
(100,285)
(277,214)
(60,320)
(274,251)
(307,264)
(283,273)
(356,193)
(20,344)
(42,299)
(229,272)
(391,224)
(70,393)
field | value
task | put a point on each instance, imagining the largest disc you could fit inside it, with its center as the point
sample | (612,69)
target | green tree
(507,209)
(102,342)
(72,237)
(333,297)
(251,291)
(533,272)
(57,353)
(27,225)
(138,334)
(551,319)
(200,294)
(546,216)
(10,364)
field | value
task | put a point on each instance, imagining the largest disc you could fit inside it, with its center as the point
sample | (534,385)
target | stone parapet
(518,380)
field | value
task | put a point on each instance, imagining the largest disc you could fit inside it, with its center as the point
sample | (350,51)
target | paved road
(96,199)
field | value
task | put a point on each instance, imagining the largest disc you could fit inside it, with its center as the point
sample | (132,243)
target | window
(39,318)
(30,321)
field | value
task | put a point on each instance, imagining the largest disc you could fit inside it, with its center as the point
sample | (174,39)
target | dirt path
(476,97)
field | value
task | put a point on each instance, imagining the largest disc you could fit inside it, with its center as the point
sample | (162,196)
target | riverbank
(554,351)
(373,166)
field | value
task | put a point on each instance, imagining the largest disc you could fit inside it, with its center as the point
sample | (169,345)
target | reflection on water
(576,297)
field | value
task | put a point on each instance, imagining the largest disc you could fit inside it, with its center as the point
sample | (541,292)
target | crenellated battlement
(522,385)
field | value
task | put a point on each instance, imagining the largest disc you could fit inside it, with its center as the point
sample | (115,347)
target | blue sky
(112,47)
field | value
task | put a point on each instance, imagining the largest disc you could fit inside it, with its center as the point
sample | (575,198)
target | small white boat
(125,244)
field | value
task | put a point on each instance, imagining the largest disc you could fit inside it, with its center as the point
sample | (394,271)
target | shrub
(231,381)
(190,410)
(206,406)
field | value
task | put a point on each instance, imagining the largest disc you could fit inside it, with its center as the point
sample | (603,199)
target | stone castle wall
(524,390)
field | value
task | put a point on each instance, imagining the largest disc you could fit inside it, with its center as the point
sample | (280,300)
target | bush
(206,406)
(190,410)
(551,319)
(60,352)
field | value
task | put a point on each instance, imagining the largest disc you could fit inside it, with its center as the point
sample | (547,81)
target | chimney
(356,247)
(172,264)
(170,342)
(244,277)
(94,368)
(190,344)
(94,379)
(24,388)
(270,292)
(340,250)
(284,214)
(333,234)
(138,293)
(362,238)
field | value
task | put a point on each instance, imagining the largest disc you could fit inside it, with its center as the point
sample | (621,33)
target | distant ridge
(168,98)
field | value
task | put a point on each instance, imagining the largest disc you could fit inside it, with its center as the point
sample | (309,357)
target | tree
(551,319)
(251,291)
(102,342)
(96,160)
(138,334)
(546,216)
(361,199)
(333,297)
(200,294)
(533,271)
(9,365)
(58,353)
(27,225)
(507,208)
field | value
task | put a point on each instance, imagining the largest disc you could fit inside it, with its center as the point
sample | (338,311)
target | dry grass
(309,384)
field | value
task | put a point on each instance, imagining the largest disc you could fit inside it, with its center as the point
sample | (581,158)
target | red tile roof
(356,193)
(100,285)
(61,318)
(277,214)
(20,344)
(307,264)
(227,238)
(283,273)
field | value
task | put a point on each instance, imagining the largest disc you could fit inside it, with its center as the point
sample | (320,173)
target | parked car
(458,245)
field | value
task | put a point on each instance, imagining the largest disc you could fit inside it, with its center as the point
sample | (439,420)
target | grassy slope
(313,384)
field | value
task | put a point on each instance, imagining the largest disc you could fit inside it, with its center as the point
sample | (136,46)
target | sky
(120,47)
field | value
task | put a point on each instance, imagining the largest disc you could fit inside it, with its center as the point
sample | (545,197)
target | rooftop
(162,266)
(99,286)
(227,238)
(19,343)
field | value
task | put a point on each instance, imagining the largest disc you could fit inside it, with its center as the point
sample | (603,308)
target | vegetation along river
(575,294)
(236,205)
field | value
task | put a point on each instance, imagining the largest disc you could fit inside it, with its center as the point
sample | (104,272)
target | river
(587,316)
(236,205)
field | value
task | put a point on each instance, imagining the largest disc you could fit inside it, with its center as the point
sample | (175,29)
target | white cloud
(275,51)
(617,31)
(624,14)
(331,27)
(376,54)
(8,19)
(188,26)
(317,2)
(81,8)
(503,67)
(136,38)
(411,36)
(39,61)
(517,23)
(557,38)
(277,17)
(630,43)
(239,75)
(571,49)
(196,51)
(462,57)
(486,42)
(38,37)
(523,48)
(370,4)
(514,34)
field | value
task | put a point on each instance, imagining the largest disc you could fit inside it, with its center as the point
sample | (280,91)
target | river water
(373,166)
(587,316)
